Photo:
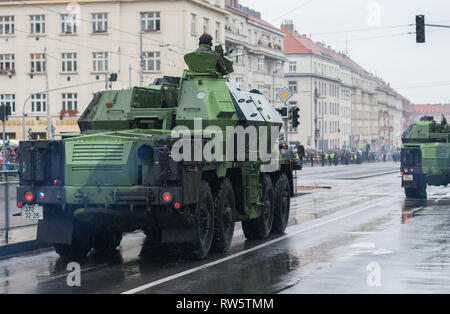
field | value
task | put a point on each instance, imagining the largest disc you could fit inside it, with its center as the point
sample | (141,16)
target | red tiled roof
(254,19)
(295,43)
(435,109)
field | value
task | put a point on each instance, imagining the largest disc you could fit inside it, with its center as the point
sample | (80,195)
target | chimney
(288,25)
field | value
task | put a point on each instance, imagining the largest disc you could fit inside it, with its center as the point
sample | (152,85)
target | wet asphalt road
(350,226)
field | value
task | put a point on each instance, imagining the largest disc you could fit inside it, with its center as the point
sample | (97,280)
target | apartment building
(321,85)
(257,50)
(341,104)
(80,44)
(390,116)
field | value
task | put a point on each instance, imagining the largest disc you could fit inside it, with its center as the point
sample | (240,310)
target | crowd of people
(12,158)
(348,156)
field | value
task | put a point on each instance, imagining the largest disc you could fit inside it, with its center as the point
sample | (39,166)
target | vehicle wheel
(420,192)
(203,222)
(260,227)
(81,242)
(282,204)
(106,239)
(225,211)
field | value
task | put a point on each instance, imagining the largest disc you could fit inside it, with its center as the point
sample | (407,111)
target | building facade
(257,51)
(322,88)
(391,116)
(341,104)
(80,45)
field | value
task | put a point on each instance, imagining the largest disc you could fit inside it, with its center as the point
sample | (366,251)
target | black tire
(153,248)
(81,242)
(418,193)
(259,228)
(282,205)
(225,216)
(106,239)
(203,223)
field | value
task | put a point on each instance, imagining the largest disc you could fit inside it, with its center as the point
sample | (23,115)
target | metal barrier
(9,177)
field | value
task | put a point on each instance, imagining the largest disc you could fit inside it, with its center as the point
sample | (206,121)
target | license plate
(408,177)
(31,212)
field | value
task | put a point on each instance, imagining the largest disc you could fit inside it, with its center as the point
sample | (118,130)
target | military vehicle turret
(425,156)
(124,172)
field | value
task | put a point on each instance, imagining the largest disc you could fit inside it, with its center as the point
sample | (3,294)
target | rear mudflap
(55,228)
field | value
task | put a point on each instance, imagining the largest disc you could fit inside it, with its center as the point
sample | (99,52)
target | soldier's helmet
(206,39)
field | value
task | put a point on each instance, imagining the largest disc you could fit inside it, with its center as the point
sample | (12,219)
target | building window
(260,64)
(205,25)
(100,61)
(293,87)
(293,66)
(241,28)
(217,31)
(7,63)
(99,22)
(37,63)
(8,100)
(239,82)
(152,61)
(6,25)
(239,55)
(69,101)
(278,68)
(68,23)
(150,22)
(193,24)
(37,24)
(38,102)
(69,62)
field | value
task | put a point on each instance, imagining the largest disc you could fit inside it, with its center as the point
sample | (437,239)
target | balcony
(270,50)
(235,36)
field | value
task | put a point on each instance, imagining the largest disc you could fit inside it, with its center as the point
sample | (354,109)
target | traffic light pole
(4,147)
(286,123)
(49,118)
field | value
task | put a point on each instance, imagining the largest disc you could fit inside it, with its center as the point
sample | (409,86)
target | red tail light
(177,206)
(19,204)
(167,197)
(29,196)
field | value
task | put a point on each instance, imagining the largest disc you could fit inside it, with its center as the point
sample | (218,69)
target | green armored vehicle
(124,172)
(425,157)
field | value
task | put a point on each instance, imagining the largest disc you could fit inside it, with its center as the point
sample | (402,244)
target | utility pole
(141,61)
(129,75)
(273,87)
(49,119)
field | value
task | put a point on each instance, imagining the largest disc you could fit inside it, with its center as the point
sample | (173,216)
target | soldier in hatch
(205,45)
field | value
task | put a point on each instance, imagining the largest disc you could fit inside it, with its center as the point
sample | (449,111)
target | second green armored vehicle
(425,157)
(121,173)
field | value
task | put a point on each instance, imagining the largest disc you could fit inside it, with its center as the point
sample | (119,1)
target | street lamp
(24,115)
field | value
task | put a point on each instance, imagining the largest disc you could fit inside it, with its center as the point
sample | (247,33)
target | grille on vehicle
(102,168)
(97,152)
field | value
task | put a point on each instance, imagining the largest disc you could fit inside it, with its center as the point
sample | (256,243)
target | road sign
(284,94)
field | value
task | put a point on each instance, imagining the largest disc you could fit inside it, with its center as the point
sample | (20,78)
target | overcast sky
(420,72)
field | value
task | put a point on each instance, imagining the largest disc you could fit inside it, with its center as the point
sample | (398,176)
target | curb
(370,176)
(10,250)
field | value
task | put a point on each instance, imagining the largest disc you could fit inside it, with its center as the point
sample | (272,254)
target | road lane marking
(225,259)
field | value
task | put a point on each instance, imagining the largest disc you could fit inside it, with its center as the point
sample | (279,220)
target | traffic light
(284,112)
(420,29)
(295,117)
(5,112)
(113,77)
